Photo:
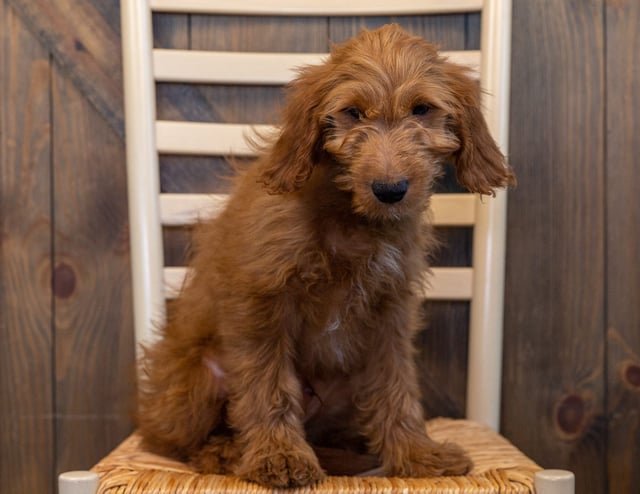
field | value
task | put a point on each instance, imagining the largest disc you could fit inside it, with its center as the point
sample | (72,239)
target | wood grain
(446,31)
(258,34)
(473,27)
(554,392)
(94,349)
(84,39)
(623,245)
(26,339)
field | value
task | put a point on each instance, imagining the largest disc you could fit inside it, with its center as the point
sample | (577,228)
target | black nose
(390,193)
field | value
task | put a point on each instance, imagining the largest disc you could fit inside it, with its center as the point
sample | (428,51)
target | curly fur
(297,324)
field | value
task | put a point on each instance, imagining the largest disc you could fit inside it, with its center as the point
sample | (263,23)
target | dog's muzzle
(390,193)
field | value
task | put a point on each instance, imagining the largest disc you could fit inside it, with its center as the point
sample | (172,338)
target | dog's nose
(390,193)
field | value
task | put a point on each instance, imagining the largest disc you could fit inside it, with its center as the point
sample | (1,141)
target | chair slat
(454,209)
(223,67)
(444,284)
(245,68)
(455,284)
(174,277)
(187,209)
(207,138)
(316,7)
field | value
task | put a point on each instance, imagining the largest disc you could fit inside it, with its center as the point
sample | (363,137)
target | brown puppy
(309,280)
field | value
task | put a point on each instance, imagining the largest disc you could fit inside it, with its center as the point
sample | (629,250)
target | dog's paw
(446,459)
(282,469)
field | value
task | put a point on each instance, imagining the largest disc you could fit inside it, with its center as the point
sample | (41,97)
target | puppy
(304,294)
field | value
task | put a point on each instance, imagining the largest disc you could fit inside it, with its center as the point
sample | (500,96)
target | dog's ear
(480,165)
(299,143)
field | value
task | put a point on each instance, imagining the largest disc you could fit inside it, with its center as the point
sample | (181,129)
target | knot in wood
(571,416)
(64,280)
(631,375)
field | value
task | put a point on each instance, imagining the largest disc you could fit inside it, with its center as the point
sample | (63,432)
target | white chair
(132,469)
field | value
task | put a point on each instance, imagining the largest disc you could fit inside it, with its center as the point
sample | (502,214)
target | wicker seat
(499,467)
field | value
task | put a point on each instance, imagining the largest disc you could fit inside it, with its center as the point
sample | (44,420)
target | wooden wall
(556,287)
(572,342)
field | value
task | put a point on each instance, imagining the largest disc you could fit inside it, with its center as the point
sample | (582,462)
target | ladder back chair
(499,466)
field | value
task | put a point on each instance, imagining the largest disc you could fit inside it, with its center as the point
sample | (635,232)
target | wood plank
(446,31)
(230,67)
(450,284)
(623,245)
(84,42)
(94,349)
(195,174)
(553,397)
(442,383)
(187,209)
(321,8)
(473,29)
(244,68)
(208,138)
(26,395)
(170,31)
(453,209)
(443,284)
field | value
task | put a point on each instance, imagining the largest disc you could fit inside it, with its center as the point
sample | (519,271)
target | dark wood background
(572,319)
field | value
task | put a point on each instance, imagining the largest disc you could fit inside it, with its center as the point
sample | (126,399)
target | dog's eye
(354,112)
(420,109)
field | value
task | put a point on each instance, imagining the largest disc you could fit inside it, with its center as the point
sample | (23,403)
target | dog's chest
(343,313)
(336,338)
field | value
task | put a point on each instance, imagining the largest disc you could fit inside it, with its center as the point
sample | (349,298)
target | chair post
(78,482)
(554,482)
(142,169)
(484,382)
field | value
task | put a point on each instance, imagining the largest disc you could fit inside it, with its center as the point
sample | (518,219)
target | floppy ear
(299,142)
(480,165)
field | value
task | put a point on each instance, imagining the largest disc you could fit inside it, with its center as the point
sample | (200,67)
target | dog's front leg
(265,410)
(391,417)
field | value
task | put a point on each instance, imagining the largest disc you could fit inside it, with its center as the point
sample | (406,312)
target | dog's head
(388,111)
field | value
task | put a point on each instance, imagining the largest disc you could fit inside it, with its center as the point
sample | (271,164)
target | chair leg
(554,482)
(78,482)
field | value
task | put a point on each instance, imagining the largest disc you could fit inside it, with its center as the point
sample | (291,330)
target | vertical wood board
(553,397)
(623,245)
(26,339)
(94,348)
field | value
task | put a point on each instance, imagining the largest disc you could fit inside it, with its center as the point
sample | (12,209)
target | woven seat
(498,467)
